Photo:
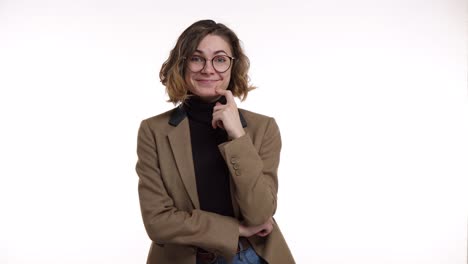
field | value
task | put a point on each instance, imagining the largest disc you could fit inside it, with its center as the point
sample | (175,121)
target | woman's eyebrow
(216,52)
(220,51)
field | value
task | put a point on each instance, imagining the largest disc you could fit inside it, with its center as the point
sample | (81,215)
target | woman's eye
(220,59)
(196,59)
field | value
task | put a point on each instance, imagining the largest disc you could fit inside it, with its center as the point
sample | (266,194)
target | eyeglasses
(221,63)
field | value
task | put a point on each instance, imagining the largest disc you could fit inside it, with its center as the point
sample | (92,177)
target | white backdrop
(370,97)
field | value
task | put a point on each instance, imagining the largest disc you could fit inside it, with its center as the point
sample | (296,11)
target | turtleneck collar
(180,112)
(199,110)
(195,103)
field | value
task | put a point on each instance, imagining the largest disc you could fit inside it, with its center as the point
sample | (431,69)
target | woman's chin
(207,94)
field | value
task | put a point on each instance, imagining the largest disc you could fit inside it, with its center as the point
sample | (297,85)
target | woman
(208,170)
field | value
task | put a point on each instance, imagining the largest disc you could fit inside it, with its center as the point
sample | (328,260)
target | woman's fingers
(227,94)
(262,230)
(267,228)
(227,116)
(265,232)
(217,120)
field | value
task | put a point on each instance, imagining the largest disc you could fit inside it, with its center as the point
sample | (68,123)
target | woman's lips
(203,80)
(206,82)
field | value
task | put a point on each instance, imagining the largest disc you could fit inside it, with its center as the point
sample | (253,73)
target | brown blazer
(168,194)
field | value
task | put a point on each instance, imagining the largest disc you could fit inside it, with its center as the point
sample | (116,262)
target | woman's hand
(267,228)
(261,230)
(227,116)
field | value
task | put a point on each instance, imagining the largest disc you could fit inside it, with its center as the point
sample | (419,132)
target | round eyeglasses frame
(231,59)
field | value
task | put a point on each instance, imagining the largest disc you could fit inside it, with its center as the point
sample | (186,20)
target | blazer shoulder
(160,122)
(253,118)
(160,117)
(259,124)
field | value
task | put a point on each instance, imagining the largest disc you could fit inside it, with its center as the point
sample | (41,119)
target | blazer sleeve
(254,173)
(166,224)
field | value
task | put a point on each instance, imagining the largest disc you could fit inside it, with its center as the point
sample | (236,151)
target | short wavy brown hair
(172,72)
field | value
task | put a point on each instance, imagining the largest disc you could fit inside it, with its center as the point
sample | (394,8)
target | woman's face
(204,82)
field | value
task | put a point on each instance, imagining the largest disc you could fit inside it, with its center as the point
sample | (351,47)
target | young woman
(208,170)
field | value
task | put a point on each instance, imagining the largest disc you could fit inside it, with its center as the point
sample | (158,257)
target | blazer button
(238,172)
(236,166)
(234,160)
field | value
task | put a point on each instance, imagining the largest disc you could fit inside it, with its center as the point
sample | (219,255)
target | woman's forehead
(213,44)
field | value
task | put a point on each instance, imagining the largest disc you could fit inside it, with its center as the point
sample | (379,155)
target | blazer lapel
(181,146)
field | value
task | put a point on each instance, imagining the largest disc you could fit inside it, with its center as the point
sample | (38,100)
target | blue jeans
(247,256)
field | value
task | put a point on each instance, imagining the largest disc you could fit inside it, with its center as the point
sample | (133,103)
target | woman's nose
(208,67)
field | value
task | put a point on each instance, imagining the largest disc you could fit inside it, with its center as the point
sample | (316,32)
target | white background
(370,97)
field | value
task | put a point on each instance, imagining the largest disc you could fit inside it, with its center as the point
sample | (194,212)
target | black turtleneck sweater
(211,172)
